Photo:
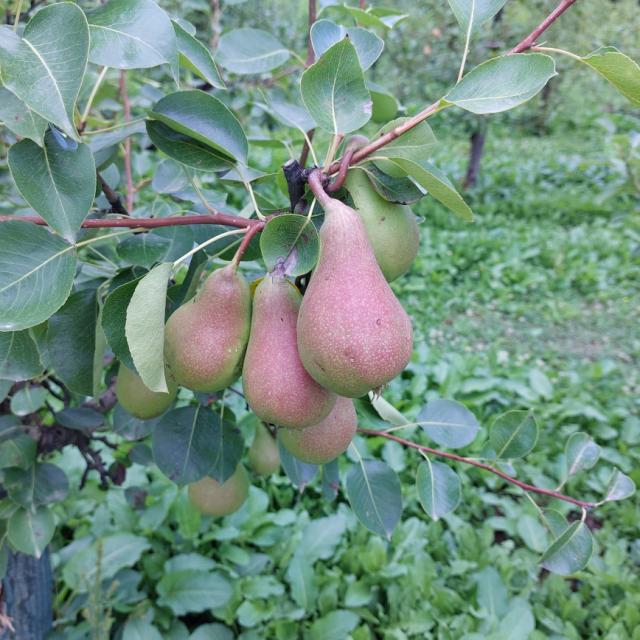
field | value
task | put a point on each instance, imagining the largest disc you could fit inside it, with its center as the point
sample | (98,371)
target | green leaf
(368,46)
(19,358)
(129,427)
(301,578)
(41,484)
(571,550)
(213,631)
(532,532)
(448,423)
(248,51)
(289,114)
(193,591)
(472,13)
(17,117)
(373,490)
(46,66)
(513,434)
(36,273)
(18,452)
(581,453)
(205,119)
(334,92)
(137,629)
(502,83)
(336,625)
(438,488)
(117,551)
(144,327)
(436,184)
(384,104)
(300,473)
(80,418)
(71,341)
(620,487)
(190,443)
(144,249)
(492,594)
(31,531)
(59,184)
(290,245)
(28,400)
(402,190)
(196,57)
(618,69)
(131,34)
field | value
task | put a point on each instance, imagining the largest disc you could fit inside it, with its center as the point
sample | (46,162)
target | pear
(392,228)
(325,441)
(264,456)
(353,334)
(136,398)
(215,499)
(276,385)
(206,337)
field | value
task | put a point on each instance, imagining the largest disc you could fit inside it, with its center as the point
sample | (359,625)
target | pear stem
(315,181)
(487,467)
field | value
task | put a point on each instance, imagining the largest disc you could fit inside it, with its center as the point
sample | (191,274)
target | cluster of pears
(302,359)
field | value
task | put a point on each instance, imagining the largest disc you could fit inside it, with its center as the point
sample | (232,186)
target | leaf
(321,537)
(144,327)
(301,578)
(36,273)
(334,92)
(438,488)
(581,453)
(502,83)
(17,117)
(18,452)
(540,383)
(571,550)
(196,57)
(618,69)
(384,104)
(532,532)
(131,34)
(71,341)
(472,13)
(193,591)
(59,184)
(212,631)
(144,249)
(368,46)
(413,145)
(448,423)
(129,427)
(336,625)
(290,245)
(249,51)
(300,473)
(19,358)
(205,119)
(513,434)
(137,629)
(31,531)
(189,443)
(492,594)
(330,480)
(28,400)
(46,66)
(620,487)
(80,418)
(373,490)
(402,190)
(436,184)
(41,484)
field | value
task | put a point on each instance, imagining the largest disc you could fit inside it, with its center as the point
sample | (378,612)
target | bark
(476,150)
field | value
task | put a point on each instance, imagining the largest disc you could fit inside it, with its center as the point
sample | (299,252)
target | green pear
(325,441)
(392,228)
(136,398)
(206,337)
(215,499)
(276,385)
(353,334)
(264,456)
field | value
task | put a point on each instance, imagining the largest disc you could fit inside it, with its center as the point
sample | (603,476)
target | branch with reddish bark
(481,465)
(124,95)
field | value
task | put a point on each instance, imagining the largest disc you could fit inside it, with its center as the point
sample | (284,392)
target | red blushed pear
(205,339)
(276,385)
(353,334)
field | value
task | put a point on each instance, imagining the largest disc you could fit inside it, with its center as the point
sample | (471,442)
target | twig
(304,154)
(409,124)
(124,95)
(112,197)
(215,25)
(345,161)
(313,14)
(244,243)
(481,465)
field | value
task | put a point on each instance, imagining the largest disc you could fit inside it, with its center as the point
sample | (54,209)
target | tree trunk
(27,591)
(476,150)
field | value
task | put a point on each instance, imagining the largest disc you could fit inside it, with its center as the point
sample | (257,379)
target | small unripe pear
(353,334)
(392,228)
(323,442)
(215,499)
(276,385)
(264,456)
(206,337)
(136,398)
